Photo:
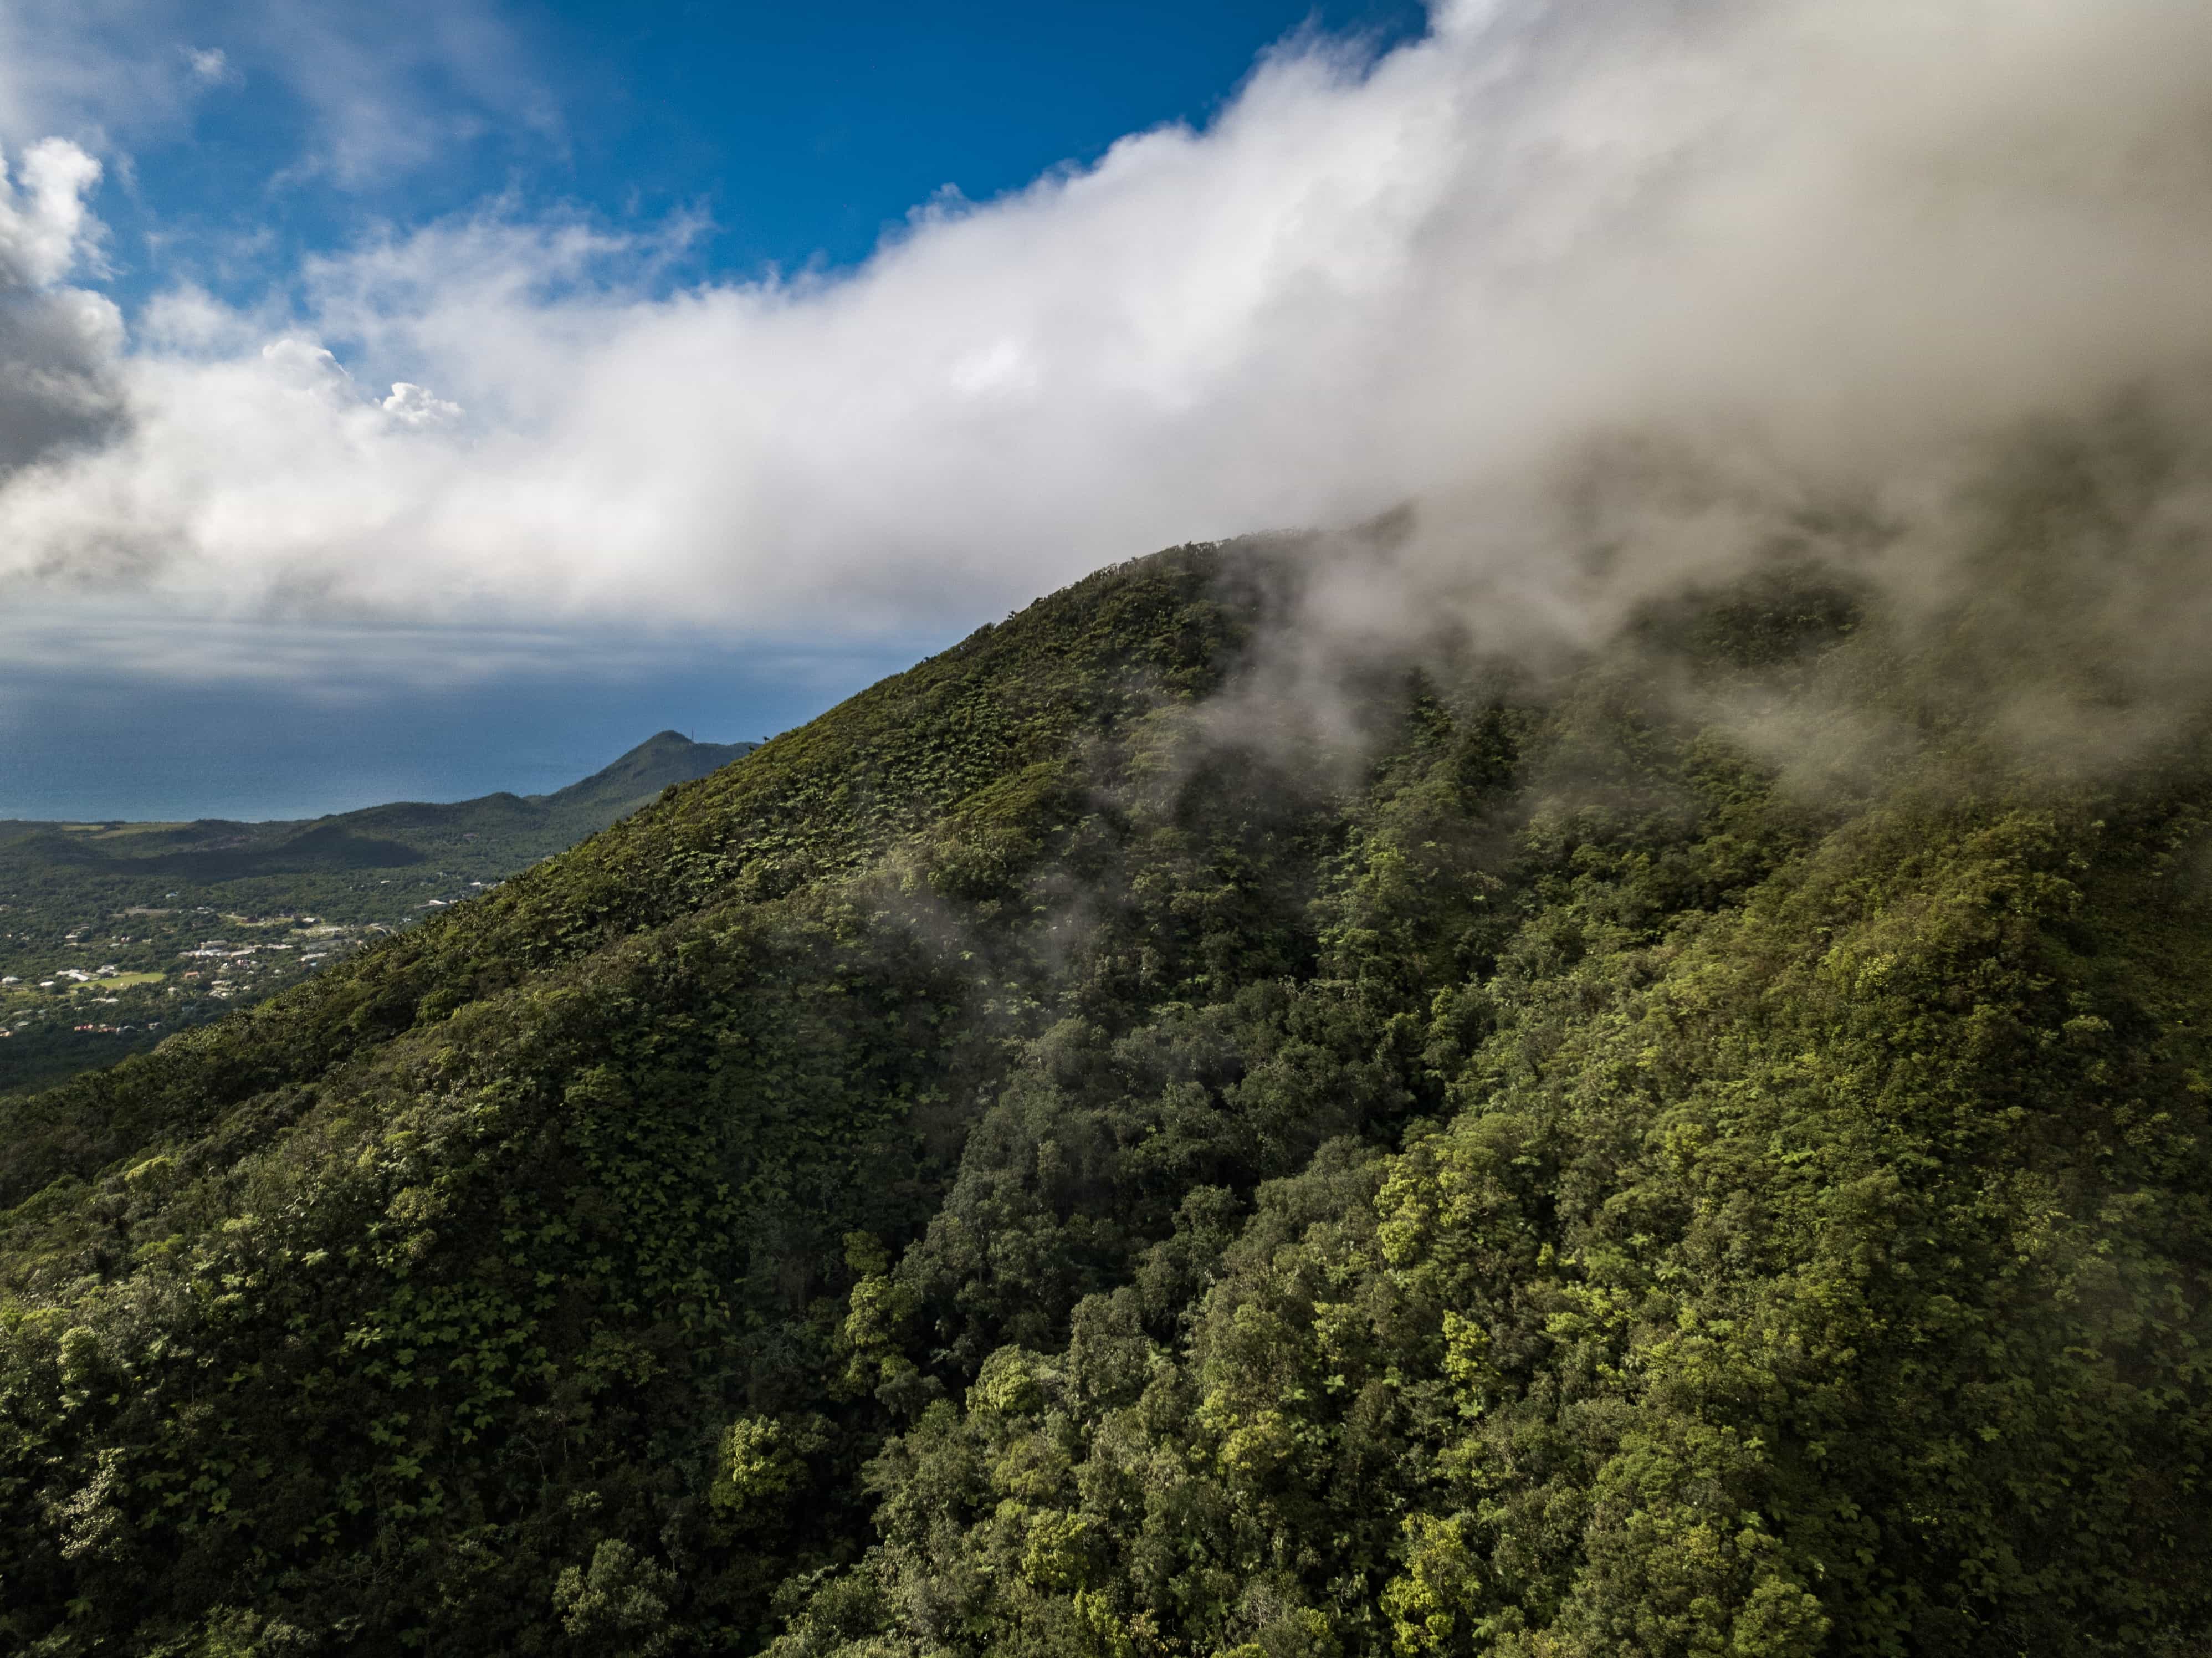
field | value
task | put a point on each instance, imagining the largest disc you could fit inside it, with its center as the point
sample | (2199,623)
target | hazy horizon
(89,747)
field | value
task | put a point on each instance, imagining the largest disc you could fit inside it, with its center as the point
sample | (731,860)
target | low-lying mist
(2033,598)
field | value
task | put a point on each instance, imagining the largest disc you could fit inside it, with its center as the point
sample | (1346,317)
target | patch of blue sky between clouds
(246,135)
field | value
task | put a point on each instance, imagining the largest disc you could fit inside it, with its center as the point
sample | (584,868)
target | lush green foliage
(1055,1157)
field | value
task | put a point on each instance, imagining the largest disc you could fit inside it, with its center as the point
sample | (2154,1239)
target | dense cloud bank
(1606,287)
(60,376)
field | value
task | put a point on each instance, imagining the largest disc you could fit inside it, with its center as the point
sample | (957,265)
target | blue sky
(375,380)
(799,134)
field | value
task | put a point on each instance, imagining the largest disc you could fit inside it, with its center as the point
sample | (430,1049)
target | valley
(115,934)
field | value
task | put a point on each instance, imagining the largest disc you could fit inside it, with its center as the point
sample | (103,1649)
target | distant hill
(661,759)
(503,829)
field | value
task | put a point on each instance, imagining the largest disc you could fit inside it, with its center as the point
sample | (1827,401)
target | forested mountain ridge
(1045,1160)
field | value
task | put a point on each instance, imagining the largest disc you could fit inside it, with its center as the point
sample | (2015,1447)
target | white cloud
(78,70)
(46,228)
(61,380)
(410,405)
(383,89)
(1851,238)
(395,87)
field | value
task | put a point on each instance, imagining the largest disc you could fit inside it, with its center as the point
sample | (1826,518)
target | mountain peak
(664,757)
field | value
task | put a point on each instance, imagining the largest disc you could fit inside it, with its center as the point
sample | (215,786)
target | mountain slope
(528,827)
(665,758)
(1058,1156)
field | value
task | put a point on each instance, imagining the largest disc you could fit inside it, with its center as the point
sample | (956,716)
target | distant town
(138,971)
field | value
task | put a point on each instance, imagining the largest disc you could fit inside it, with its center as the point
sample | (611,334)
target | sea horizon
(79,750)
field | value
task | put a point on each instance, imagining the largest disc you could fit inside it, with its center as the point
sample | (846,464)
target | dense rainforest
(1104,1146)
